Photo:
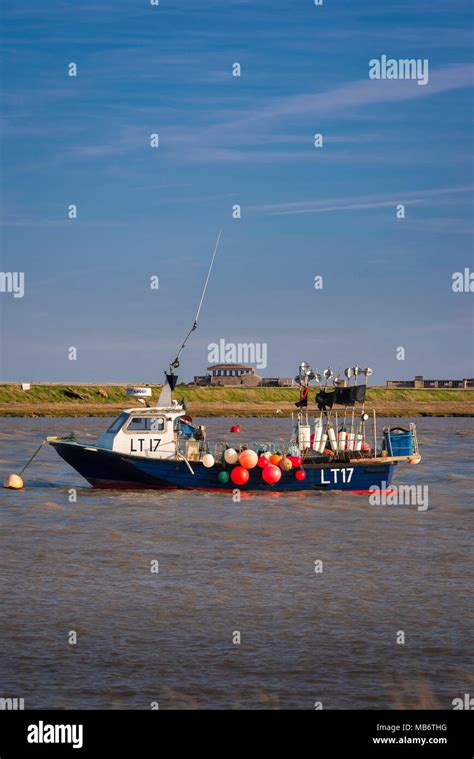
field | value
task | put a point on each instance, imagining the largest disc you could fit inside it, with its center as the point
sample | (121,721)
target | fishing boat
(162,447)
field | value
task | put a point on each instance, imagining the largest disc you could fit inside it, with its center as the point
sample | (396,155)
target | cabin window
(115,426)
(146,424)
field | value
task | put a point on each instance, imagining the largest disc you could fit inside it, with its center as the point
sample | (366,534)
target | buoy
(300,475)
(223,477)
(248,459)
(322,445)
(285,464)
(208,460)
(235,428)
(271,474)
(14,482)
(231,456)
(262,461)
(318,433)
(239,475)
(296,461)
(275,459)
(342,436)
(332,438)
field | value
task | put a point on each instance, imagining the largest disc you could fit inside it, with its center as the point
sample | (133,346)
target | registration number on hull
(336,476)
(141,444)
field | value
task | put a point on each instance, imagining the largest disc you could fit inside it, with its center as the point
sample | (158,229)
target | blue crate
(398,441)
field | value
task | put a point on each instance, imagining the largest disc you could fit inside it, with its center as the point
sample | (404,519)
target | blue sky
(227,140)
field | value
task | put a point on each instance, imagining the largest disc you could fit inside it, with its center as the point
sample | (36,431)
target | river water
(330,637)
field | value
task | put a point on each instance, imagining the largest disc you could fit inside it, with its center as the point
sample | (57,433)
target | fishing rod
(175,364)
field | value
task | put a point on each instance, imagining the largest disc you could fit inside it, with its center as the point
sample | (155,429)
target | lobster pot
(332,438)
(350,441)
(398,441)
(358,442)
(342,440)
(318,433)
(304,436)
(322,445)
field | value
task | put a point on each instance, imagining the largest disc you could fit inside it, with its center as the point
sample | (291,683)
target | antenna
(175,364)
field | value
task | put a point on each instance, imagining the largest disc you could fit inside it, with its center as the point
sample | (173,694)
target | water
(306,637)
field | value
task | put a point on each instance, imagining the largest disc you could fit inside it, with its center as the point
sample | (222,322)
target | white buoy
(304,436)
(322,444)
(332,438)
(14,482)
(208,460)
(231,456)
(342,440)
(318,433)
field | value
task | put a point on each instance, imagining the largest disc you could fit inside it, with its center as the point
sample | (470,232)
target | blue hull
(106,469)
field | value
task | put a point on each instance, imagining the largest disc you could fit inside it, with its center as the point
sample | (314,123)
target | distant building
(420,382)
(229,374)
(277,382)
(237,375)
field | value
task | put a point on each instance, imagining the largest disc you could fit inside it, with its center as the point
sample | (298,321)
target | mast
(171,378)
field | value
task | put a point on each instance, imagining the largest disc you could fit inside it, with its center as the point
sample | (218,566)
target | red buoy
(271,474)
(235,428)
(239,475)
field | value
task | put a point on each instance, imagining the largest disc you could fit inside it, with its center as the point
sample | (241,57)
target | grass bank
(107,400)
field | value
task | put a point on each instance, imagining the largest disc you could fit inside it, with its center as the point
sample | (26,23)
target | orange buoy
(248,459)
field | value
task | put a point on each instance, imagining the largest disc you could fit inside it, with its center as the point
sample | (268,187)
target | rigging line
(208,275)
(174,363)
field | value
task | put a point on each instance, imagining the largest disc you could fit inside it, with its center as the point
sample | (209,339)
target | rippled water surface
(225,567)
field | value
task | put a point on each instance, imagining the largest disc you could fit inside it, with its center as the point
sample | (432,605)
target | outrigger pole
(171,378)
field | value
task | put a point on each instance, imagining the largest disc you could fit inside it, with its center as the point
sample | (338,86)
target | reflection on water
(225,567)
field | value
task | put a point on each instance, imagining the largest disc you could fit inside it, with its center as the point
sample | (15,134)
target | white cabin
(157,433)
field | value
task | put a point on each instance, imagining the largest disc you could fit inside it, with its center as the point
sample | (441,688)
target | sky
(227,140)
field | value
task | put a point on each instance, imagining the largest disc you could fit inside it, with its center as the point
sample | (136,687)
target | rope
(175,363)
(31,459)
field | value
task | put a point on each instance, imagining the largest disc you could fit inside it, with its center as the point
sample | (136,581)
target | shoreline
(94,400)
(251,410)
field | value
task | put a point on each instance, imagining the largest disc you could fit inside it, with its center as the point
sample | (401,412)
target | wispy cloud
(223,140)
(358,202)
